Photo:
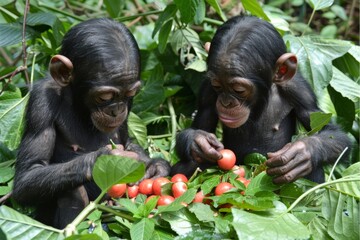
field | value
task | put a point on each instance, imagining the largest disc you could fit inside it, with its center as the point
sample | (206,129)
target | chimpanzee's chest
(270,132)
(75,137)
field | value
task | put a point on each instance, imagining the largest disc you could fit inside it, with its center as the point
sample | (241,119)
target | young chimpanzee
(71,117)
(253,88)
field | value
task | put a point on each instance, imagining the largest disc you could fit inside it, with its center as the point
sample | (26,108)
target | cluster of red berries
(153,187)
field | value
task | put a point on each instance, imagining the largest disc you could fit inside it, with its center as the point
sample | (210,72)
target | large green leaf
(137,129)
(164,35)
(11,34)
(278,226)
(255,9)
(320,4)
(12,113)
(187,9)
(215,4)
(109,170)
(343,214)
(318,120)
(314,56)
(114,7)
(142,230)
(21,227)
(344,85)
(168,13)
(152,93)
(261,182)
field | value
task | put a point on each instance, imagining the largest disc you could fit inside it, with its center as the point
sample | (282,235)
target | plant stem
(320,186)
(310,20)
(337,160)
(173,123)
(70,229)
(127,18)
(116,213)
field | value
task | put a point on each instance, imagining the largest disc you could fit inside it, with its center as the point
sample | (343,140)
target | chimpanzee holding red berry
(253,88)
(71,117)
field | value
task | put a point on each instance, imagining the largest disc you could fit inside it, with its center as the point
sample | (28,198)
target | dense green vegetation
(324,34)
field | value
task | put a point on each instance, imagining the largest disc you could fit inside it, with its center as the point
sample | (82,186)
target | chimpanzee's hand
(157,168)
(291,162)
(120,151)
(205,147)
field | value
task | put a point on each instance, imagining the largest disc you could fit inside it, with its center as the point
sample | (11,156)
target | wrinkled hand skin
(120,151)
(155,168)
(291,162)
(206,147)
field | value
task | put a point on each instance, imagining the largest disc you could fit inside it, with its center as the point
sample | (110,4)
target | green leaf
(255,9)
(142,230)
(202,211)
(187,9)
(164,35)
(318,228)
(315,55)
(344,85)
(353,169)
(342,212)
(182,221)
(200,12)
(109,170)
(175,206)
(85,237)
(318,120)
(11,34)
(21,227)
(208,185)
(6,174)
(113,7)
(137,129)
(168,13)
(152,93)
(12,113)
(48,19)
(215,4)
(261,182)
(187,38)
(254,159)
(320,4)
(345,108)
(281,226)
(197,65)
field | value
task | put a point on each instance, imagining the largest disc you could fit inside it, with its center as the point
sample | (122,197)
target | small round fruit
(222,188)
(165,200)
(244,181)
(199,197)
(179,178)
(132,191)
(145,187)
(158,183)
(228,159)
(239,170)
(117,190)
(178,189)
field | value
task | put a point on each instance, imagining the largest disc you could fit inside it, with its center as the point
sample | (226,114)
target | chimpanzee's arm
(37,179)
(198,143)
(309,153)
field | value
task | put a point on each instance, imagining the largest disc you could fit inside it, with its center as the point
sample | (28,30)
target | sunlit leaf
(109,170)
(318,120)
(320,4)
(21,227)
(12,113)
(142,230)
(137,129)
(281,226)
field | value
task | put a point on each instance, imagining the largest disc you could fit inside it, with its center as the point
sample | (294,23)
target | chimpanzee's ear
(285,68)
(61,70)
